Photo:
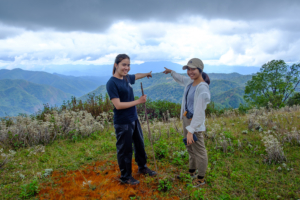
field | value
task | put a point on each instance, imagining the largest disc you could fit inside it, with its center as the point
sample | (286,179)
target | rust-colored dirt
(103,183)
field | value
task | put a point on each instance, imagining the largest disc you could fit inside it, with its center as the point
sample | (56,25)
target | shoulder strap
(187,92)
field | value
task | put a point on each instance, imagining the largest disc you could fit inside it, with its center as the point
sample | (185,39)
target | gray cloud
(98,15)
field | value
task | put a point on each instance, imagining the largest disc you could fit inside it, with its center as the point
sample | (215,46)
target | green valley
(21,96)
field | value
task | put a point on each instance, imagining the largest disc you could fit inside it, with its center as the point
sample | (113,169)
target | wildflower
(12,152)
(279,168)
(274,149)
(284,165)
(21,176)
(39,174)
(239,144)
(86,183)
(47,172)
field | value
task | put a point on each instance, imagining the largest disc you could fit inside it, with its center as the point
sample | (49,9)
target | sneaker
(192,175)
(130,181)
(198,182)
(147,171)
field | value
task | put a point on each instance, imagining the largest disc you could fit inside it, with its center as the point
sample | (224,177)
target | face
(193,73)
(123,67)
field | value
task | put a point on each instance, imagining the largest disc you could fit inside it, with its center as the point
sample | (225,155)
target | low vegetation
(251,156)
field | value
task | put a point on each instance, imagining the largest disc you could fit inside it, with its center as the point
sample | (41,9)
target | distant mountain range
(77,86)
(227,90)
(154,66)
(21,96)
(23,91)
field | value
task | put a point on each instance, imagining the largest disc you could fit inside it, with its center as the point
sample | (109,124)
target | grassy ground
(235,171)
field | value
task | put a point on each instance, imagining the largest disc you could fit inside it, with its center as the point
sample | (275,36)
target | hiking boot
(147,171)
(192,175)
(130,181)
(198,182)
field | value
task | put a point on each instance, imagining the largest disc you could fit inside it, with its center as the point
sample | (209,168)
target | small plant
(47,172)
(161,149)
(164,185)
(178,157)
(184,177)
(29,190)
(274,149)
(198,194)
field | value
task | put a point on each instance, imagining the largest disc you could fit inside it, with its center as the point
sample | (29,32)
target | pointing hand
(167,71)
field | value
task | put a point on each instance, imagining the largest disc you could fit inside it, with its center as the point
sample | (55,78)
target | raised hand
(167,71)
(149,75)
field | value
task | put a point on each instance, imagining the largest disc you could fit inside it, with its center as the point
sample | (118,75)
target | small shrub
(178,157)
(29,190)
(274,150)
(198,194)
(164,185)
(161,149)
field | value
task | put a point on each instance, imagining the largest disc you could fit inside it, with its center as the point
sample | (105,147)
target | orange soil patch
(98,181)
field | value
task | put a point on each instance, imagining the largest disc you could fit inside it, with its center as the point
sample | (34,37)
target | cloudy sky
(35,34)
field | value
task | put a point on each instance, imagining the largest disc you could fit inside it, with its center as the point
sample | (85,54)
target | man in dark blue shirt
(126,123)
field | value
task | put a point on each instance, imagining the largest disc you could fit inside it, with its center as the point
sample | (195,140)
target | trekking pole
(149,133)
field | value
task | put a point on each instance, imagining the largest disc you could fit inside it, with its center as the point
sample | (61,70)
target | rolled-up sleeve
(199,112)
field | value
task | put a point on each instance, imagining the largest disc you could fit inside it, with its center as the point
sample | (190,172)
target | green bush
(164,185)
(161,149)
(198,194)
(294,100)
(29,190)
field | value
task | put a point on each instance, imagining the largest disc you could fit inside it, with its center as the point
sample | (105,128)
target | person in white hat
(196,96)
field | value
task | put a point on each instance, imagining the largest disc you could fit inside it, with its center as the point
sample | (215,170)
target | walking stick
(149,133)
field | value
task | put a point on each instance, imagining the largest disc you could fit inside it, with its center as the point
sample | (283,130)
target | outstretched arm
(182,80)
(142,75)
(123,105)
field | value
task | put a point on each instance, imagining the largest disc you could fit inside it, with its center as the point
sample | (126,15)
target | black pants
(126,135)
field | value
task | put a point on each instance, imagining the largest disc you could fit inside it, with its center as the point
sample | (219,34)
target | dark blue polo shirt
(122,89)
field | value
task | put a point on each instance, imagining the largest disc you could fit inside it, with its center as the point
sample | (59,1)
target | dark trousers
(126,135)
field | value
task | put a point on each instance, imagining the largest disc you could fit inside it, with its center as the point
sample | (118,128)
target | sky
(43,35)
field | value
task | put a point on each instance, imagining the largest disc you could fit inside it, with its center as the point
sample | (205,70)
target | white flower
(12,152)
(284,165)
(86,183)
(279,168)
(21,176)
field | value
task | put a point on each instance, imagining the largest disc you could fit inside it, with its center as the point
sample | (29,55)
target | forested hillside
(77,86)
(26,91)
(227,90)
(20,96)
